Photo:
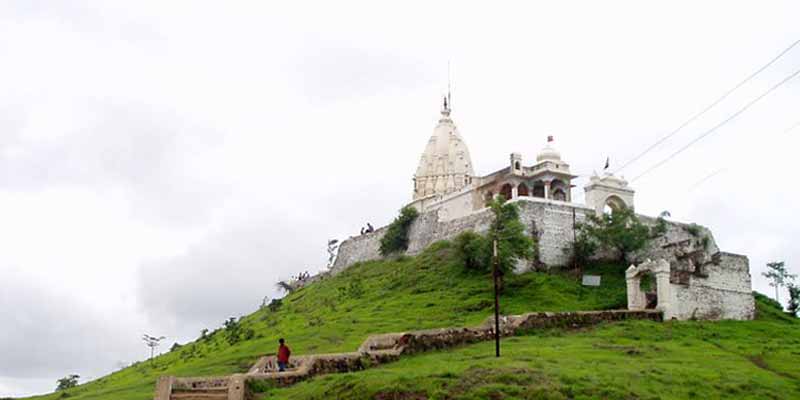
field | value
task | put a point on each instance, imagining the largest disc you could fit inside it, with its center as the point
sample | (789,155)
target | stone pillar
(236,387)
(661,271)
(636,298)
(547,189)
(514,192)
(164,387)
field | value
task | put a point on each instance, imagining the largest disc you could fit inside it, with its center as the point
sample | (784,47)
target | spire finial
(449,100)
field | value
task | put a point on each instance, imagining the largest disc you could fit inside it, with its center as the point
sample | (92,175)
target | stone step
(218,393)
(199,395)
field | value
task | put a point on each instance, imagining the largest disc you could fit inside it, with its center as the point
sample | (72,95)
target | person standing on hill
(283,355)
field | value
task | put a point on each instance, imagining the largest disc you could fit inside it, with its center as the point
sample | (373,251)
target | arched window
(538,189)
(505,191)
(516,165)
(559,195)
(522,190)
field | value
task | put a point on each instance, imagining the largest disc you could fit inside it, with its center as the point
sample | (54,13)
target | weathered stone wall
(725,293)
(552,220)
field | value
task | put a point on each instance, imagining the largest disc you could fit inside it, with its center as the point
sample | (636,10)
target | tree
(506,228)
(395,239)
(152,342)
(794,299)
(776,272)
(67,382)
(619,230)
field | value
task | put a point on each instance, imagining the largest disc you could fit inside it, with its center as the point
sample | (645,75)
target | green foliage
(620,231)
(235,332)
(67,382)
(694,229)
(473,250)
(353,290)
(509,232)
(582,249)
(274,305)
(659,228)
(395,240)
(175,346)
(794,299)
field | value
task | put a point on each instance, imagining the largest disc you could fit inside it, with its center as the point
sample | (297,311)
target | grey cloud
(49,335)
(227,274)
(130,146)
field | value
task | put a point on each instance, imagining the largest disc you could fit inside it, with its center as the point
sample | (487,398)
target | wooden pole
(496,301)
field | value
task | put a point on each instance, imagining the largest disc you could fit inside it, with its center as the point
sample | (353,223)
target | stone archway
(638,299)
(614,203)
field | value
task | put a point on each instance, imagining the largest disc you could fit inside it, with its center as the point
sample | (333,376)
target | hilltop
(707,359)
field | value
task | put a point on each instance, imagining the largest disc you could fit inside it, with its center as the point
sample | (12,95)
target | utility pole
(495,273)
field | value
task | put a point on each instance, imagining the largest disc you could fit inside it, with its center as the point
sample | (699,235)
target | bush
(693,229)
(582,249)
(620,230)
(67,382)
(473,250)
(395,239)
(794,299)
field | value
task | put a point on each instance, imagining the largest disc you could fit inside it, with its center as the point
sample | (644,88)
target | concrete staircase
(381,349)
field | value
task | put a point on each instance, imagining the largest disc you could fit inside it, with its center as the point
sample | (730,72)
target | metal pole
(496,301)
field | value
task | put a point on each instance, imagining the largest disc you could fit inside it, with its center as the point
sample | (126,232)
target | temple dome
(548,153)
(445,166)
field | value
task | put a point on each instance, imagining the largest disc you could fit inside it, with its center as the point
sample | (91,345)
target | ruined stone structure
(704,282)
(380,349)
(722,291)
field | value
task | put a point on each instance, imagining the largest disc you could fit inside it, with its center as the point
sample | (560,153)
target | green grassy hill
(627,360)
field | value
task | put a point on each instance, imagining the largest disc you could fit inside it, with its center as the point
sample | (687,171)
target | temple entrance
(647,284)
(649,287)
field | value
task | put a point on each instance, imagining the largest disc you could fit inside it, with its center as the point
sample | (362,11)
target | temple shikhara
(445,180)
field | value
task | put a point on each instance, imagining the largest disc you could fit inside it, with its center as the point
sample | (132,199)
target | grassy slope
(630,360)
(426,291)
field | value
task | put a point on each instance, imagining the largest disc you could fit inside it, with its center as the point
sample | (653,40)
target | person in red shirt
(283,355)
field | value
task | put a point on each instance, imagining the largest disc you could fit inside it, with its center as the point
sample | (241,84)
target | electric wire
(719,125)
(705,110)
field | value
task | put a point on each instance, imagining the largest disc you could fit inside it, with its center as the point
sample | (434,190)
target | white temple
(445,179)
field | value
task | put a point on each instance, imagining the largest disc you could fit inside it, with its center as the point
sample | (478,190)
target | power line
(709,107)
(791,128)
(707,177)
(717,172)
(725,121)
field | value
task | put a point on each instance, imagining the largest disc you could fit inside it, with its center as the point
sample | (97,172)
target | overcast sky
(163,164)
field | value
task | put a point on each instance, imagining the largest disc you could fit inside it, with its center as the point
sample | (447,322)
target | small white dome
(548,153)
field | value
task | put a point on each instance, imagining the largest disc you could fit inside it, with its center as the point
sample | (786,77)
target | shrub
(693,229)
(473,250)
(506,228)
(794,299)
(620,230)
(396,237)
(67,382)
(582,249)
